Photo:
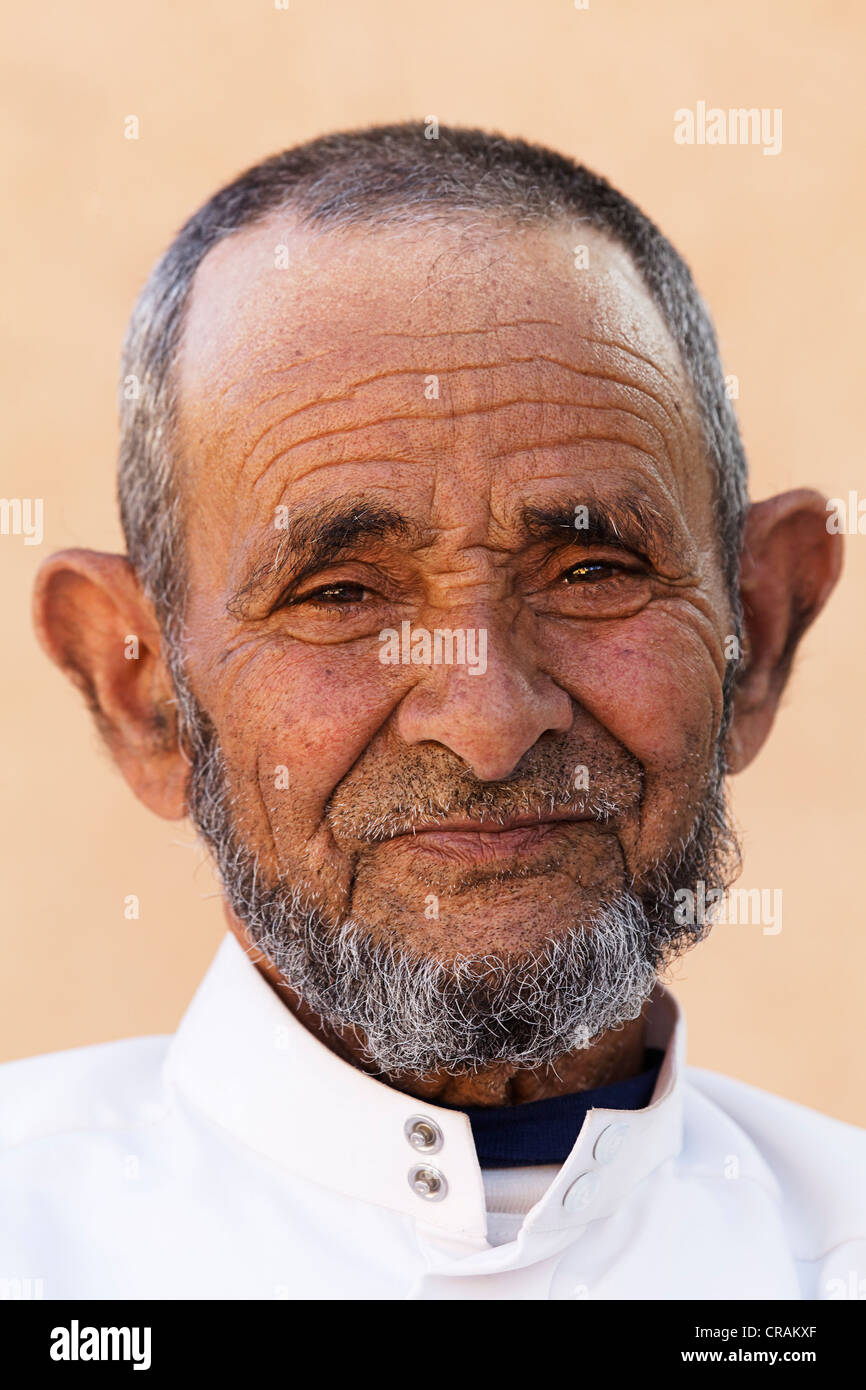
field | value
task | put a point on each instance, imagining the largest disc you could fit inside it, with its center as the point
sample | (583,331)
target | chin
(511,917)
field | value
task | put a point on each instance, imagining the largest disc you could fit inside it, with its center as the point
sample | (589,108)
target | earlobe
(790,565)
(95,623)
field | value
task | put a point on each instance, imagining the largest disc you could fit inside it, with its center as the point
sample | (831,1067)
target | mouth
(485,841)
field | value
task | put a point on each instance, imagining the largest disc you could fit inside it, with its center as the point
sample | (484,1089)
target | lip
(483,841)
(486,827)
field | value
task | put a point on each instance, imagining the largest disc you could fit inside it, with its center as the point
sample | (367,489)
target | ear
(790,564)
(92,618)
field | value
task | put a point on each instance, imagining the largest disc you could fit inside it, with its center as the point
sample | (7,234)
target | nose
(491,718)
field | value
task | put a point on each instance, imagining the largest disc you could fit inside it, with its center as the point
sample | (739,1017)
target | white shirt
(242,1159)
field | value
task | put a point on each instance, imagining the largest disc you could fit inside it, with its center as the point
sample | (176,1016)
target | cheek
(655,686)
(295,720)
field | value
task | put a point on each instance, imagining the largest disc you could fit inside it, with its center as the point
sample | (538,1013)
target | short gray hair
(388,174)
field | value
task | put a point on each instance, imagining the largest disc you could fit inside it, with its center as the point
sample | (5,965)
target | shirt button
(581,1192)
(423,1134)
(428,1183)
(609,1142)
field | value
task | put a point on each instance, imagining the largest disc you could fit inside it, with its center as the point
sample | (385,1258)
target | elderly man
(451,615)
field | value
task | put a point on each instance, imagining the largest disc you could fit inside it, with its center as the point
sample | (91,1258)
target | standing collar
(242,1058)
(544,1131)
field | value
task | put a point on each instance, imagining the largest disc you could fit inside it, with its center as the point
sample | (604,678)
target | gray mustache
(394,789)
(489,805)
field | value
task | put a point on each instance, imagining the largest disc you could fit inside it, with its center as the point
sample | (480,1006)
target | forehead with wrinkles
(313,382)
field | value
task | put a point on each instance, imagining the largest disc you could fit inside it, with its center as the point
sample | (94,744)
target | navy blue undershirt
(544,1131)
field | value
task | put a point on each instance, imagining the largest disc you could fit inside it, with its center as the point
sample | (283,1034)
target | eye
(600,588)
(591,571)
(333,596)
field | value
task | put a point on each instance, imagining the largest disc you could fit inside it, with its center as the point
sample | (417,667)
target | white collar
(242,1058)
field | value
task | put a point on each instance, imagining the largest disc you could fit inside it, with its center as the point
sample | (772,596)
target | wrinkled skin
(304,389)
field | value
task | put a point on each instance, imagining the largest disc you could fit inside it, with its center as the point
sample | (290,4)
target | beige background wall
(776,245)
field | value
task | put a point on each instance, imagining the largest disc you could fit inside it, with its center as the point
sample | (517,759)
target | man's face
(456,431)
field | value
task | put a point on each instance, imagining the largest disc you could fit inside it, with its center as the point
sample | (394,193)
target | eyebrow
(315,538)
(629,523)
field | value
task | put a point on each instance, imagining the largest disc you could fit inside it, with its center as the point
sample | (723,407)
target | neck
(615,1056)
